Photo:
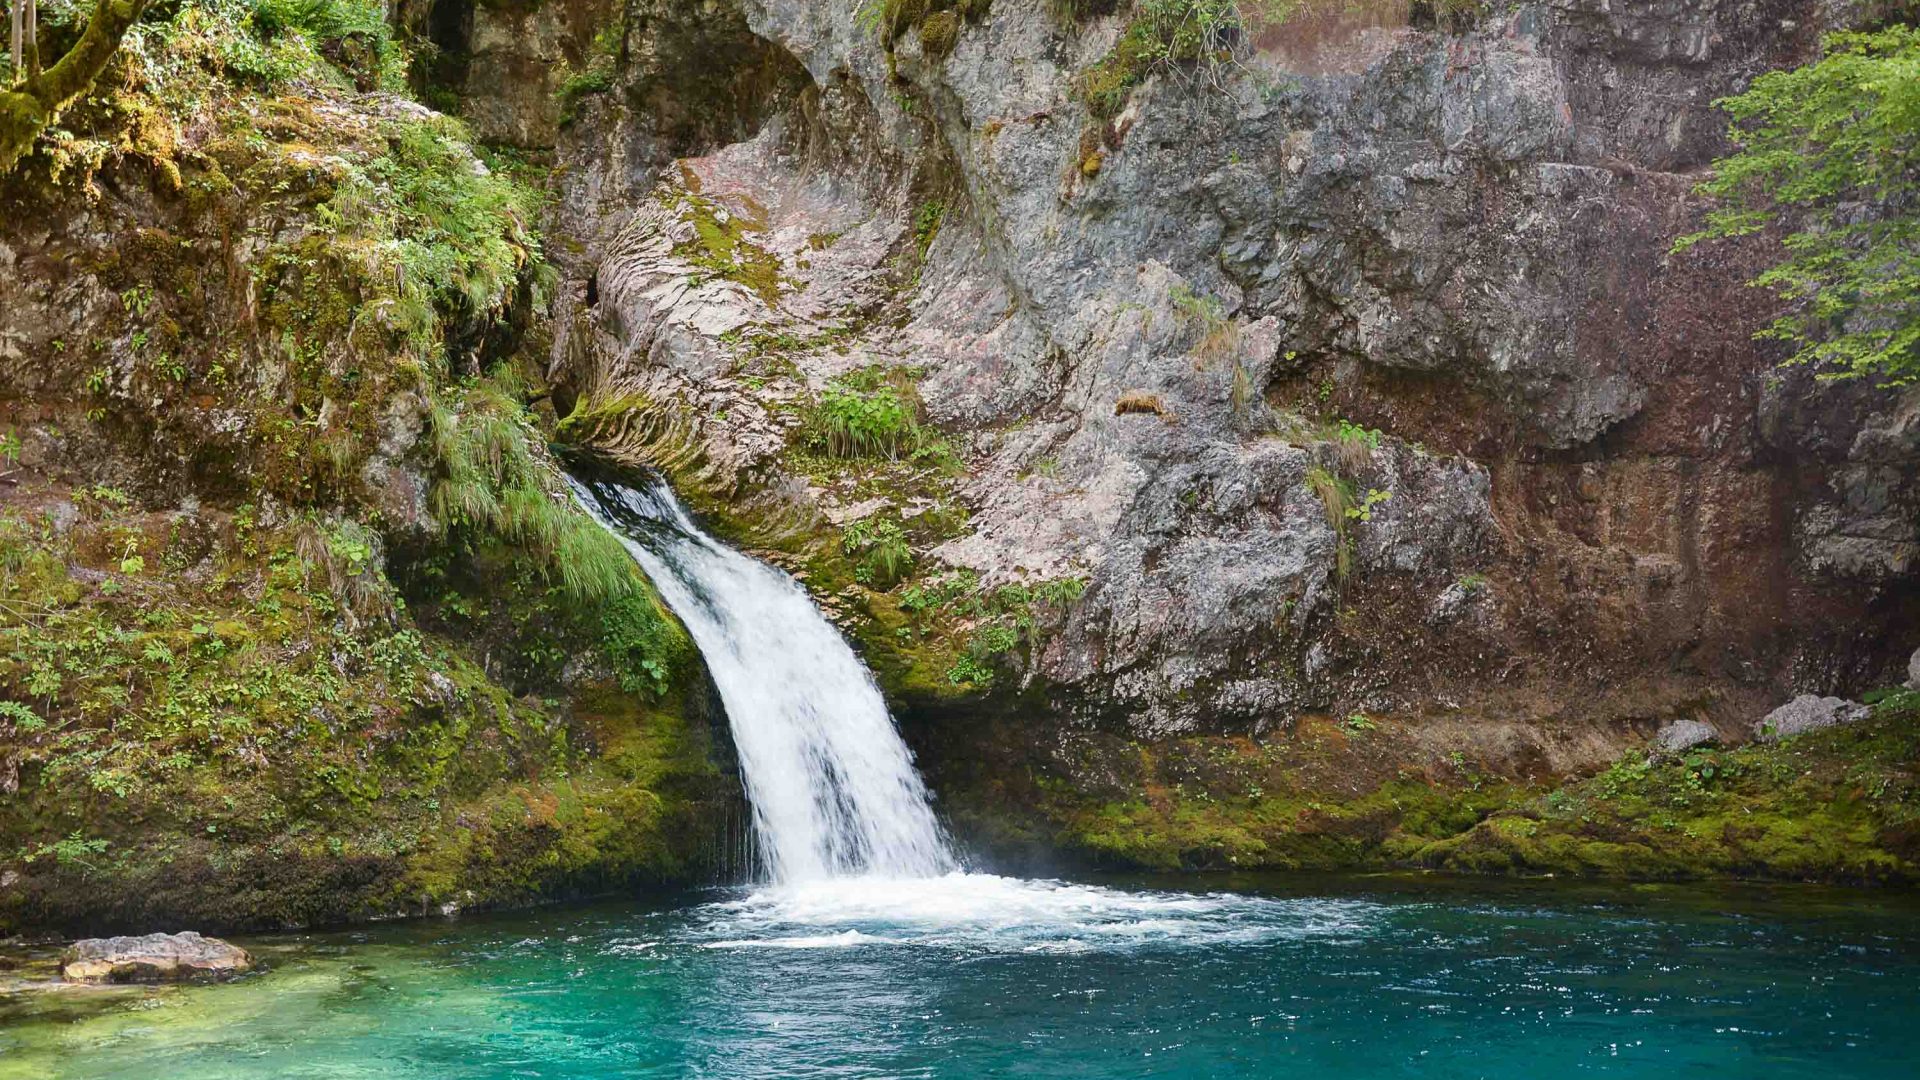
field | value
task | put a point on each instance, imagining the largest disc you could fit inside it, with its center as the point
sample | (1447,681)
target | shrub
(1196,38)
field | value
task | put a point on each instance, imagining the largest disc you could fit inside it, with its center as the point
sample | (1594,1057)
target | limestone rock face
(1437,419)
(1808,712)
(152,958)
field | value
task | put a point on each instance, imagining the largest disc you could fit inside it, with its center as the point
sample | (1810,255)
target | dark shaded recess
(440,70)
(699,77)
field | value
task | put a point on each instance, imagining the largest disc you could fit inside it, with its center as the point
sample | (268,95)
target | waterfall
(833,788)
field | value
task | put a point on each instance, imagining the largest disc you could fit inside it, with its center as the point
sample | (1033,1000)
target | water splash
(833,789)
(989,913)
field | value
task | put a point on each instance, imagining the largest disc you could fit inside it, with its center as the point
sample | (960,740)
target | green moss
(1840,805)
(253,727)
(939,32)
(721,246)
(229,714)
(1836,805)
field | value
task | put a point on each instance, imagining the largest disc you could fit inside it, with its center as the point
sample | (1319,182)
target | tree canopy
(1831,150)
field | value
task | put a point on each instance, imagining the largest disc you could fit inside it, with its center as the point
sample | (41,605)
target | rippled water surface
(973,976)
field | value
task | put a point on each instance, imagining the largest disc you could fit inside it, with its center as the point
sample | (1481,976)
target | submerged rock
(152,958)
(1808,712)
(1681,736)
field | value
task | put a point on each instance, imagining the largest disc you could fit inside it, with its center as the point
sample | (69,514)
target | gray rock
(152,958)
(1251,257)
(1913,671)
(1682,736)
(1808,712)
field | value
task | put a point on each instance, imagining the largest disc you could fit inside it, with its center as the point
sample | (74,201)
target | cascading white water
(833,789)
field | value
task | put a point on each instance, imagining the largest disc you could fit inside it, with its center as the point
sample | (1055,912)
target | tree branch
(30,108)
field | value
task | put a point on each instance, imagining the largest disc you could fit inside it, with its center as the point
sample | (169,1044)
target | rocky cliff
(1349,374)
(1297,445)
(296,622)
(1428,263)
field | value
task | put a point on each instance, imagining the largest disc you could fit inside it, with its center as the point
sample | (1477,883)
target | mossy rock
(939,33)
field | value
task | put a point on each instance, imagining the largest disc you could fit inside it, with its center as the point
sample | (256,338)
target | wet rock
(1808,712)
(152,958)
(1682,736)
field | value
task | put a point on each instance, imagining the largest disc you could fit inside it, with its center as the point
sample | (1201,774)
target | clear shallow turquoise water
(979,976)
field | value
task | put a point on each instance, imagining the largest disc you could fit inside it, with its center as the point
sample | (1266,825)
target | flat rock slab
(1808,712)
(152,958)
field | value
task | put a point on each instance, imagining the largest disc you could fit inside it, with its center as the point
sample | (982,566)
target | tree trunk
(16,21)
(30,107)
(32,46)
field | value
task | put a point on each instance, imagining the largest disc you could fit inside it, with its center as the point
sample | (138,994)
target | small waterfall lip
(832,786)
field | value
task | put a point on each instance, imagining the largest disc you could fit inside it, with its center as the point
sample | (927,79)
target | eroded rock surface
(1363,379)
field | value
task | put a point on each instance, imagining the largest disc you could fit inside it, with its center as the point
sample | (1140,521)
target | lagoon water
(978,976)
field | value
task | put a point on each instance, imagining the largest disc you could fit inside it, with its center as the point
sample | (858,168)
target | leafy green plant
(882,548)
(969,670)
(1363,510)
(75,850)
(926,225)
(1060,591)
(1831,150)
(1349,432)
(10,447)
(1359,724)
(864,414)
(21,717)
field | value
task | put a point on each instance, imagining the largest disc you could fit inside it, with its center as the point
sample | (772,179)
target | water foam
(986,912)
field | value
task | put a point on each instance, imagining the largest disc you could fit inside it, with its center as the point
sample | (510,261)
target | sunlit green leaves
(1832,151)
